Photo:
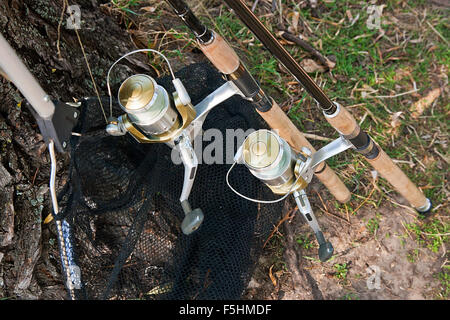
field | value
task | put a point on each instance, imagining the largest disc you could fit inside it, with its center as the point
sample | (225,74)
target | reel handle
(325,247)
(193,218)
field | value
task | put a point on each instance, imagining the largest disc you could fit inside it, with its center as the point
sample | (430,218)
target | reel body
(152,116)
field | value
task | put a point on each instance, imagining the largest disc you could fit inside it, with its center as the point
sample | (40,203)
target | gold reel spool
(150,117)
(271,159)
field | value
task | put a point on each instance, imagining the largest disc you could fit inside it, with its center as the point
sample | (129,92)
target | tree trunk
(29,257)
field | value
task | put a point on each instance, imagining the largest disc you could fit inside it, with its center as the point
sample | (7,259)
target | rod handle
(398,179)
(344,122)
(221,54)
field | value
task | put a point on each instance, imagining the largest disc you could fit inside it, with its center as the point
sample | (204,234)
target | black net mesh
(121,203)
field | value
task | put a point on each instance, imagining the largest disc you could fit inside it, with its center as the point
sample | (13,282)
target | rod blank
(272,44)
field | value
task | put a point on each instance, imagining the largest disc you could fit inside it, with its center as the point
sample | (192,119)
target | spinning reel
(154,116)
(269,158)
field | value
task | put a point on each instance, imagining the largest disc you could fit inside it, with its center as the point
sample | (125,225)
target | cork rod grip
(346,124)
(279,121)
(398,179)
(220,54)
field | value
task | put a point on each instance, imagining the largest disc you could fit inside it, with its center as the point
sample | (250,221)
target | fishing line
(291,189)
(88,66)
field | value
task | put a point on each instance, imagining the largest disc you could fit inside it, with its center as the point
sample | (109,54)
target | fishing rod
(225,59)
(336,114)
(266,167)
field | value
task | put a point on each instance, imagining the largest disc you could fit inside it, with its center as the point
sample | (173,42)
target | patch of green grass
(276,246)
(305,242)
(349,296)
(413,255)
(444,279)
(373,224)
(341,271)
(432,234)
(126,5)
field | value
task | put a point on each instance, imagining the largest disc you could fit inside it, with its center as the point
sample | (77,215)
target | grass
(350,296)
(373,224)
(432,234)
(444,279)
(306,242)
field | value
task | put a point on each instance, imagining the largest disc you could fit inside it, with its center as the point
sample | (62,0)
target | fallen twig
(437,32)
(309,48)
(287,216)
(365,200)
(316,137)
(396,95)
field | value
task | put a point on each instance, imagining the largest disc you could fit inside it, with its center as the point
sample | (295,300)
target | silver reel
(269,158)
(153,116)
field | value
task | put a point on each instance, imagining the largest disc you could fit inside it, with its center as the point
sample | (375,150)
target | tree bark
(33,29)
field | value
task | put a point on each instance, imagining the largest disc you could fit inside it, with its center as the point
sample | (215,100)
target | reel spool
(152,116)
(147,105)
(271,159)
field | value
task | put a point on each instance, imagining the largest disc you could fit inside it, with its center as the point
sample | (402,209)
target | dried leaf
(374,174)
(295,18)
(274,281)
(366,90)
(149,9)
(349,15)
(311,66)
(402,73)
(428,160)
(420,106)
